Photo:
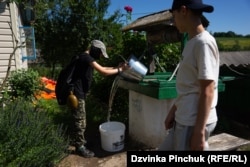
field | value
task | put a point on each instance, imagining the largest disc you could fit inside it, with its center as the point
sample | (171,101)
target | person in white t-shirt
(193,117)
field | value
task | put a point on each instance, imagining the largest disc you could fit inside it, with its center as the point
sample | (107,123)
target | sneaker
(83,151)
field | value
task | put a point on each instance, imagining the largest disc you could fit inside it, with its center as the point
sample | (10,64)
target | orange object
(49,91)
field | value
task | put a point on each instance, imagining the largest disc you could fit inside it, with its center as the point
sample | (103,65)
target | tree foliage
(64,28)
(228,34)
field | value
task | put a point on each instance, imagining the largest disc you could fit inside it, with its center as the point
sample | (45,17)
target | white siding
(6,51)
(4,18)
(9,39)
(4,38)
(5,32)
(4,25)
(6,44)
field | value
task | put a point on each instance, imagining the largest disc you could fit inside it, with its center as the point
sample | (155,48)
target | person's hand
(170,119)
(169,122)
(197,142)
(124,66)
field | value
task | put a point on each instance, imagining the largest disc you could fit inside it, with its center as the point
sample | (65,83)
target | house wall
(10,53)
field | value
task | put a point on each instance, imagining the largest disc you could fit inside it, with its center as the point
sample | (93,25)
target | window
(27,37)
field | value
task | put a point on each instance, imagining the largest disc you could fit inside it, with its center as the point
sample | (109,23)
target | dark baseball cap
(192,4)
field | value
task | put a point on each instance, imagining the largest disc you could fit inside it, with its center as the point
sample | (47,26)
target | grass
(229,43)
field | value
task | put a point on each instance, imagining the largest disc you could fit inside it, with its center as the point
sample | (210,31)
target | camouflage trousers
(79,124)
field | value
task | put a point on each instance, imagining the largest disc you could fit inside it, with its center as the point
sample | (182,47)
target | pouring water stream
(112,95)
(136,72)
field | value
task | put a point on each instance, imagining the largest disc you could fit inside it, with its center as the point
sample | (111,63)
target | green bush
(24,83)
(60,115)
(168,56)
(28,138)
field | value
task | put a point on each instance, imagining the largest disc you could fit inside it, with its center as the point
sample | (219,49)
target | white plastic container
(112,136)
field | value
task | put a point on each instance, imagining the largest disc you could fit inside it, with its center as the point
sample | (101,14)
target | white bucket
(112,136)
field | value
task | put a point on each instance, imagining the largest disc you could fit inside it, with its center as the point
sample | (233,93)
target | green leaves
(24,83)
(28,137)
(169,56)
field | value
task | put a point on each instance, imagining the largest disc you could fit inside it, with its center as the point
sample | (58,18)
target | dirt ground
(102,158)
(106,160)
(119,159)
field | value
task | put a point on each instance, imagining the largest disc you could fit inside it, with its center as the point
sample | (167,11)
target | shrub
(28,138)
(60,115)
(168,56)
(24,83)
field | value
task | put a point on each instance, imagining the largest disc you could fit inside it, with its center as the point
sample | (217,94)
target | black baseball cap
(192,4)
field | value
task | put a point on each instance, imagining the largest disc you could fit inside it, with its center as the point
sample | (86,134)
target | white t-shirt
(200,61)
